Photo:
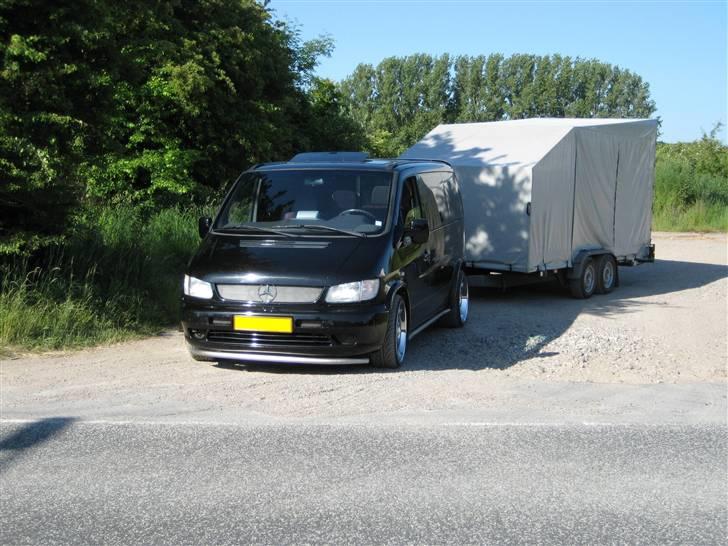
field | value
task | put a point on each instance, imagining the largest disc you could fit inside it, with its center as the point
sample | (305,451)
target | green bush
(45,310)
(159,103)
(118,276)
(691,186)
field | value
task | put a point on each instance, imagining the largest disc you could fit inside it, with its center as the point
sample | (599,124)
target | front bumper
(275,358)
(322,334)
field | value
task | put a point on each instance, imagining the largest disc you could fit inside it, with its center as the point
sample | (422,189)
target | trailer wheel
(606,274)
(584,286)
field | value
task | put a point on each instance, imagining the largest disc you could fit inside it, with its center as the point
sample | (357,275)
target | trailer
(547,197)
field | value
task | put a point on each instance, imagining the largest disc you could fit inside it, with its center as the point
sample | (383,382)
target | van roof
(366,164)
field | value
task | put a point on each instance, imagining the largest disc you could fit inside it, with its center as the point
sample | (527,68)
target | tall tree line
(402,98)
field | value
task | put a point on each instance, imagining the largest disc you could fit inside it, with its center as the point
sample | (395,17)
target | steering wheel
(359,211)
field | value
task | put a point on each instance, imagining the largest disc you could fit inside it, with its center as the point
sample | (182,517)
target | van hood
(299,261)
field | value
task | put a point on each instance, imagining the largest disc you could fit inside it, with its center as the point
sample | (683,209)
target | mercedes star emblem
(267,293)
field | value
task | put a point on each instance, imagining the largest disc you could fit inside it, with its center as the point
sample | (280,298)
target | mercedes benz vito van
(329,258)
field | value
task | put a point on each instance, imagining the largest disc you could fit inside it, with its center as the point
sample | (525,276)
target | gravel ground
(665,324)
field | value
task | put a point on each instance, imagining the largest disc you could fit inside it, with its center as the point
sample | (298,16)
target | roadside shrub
(46,310)
(118,276)
(691,186)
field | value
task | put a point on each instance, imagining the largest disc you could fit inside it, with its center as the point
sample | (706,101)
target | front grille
(269,293)
(259,339)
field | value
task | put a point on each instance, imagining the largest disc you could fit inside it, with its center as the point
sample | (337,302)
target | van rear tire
(459,303)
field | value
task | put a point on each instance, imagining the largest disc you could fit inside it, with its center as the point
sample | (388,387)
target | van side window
(443,186)
(409,204)
(452,192)
(431,201)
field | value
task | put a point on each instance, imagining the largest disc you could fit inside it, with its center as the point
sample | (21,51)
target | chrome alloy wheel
(400,331)
(463,299)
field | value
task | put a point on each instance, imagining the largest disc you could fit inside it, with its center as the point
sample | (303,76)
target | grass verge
(691,186)
(117,277)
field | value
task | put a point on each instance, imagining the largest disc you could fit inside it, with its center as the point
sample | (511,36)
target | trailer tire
(584,286)
(606,274)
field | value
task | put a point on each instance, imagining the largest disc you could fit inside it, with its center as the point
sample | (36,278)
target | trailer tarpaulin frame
(536,192)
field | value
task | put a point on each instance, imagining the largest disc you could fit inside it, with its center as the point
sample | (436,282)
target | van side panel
(437,263)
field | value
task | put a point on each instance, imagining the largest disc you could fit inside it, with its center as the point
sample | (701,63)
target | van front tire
(392,352)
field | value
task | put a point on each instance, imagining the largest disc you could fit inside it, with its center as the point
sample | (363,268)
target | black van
(329,258)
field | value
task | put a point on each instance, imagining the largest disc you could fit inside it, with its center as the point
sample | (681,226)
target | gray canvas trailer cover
(539,193)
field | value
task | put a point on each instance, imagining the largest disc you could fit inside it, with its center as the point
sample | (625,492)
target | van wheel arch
(405,296)
(401,289)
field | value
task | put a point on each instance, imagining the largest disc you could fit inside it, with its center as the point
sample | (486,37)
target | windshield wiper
(242,229)
(321,226)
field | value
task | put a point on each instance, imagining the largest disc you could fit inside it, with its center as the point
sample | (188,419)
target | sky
(678,47)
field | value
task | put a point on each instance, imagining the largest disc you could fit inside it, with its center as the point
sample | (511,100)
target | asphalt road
(66,481)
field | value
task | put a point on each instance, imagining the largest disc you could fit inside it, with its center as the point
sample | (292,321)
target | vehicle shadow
(512,326)
(28,436)
(509,327)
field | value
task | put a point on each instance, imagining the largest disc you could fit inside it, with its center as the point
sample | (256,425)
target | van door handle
(427,257)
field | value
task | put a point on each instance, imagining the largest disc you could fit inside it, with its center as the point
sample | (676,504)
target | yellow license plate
(249,323)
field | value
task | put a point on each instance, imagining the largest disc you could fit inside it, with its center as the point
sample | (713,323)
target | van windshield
(327,202)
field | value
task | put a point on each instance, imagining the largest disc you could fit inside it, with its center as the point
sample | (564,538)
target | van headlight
(197,288)
(351,292)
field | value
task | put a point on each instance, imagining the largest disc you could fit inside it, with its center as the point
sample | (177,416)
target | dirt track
(666,323)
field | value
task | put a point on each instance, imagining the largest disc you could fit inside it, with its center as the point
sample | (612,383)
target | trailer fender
(574,272)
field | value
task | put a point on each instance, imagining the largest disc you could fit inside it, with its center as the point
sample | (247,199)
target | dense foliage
(118,276)
(147,101)
(402,98)
(691,185)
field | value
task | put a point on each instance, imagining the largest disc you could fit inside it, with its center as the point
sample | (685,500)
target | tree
(401,99)
(46,124)
(148,102)
(329,127)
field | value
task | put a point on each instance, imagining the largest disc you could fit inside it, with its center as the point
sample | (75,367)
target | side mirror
(418,231)
(203,225)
